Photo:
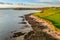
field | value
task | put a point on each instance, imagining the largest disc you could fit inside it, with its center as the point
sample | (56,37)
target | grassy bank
(52,15)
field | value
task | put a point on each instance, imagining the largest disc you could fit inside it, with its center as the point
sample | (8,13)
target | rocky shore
(38,28)
(38,32)
(22,33)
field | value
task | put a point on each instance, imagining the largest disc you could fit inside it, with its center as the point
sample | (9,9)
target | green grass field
(52,15)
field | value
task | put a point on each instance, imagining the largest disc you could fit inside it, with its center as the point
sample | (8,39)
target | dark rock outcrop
(17,34)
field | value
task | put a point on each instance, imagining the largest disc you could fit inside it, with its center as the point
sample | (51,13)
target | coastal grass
(52,15)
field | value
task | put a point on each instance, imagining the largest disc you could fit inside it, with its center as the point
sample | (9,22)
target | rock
(18,34)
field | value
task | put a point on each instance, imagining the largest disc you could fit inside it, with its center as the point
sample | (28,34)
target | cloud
(45,0)
(28,1)
(58,0)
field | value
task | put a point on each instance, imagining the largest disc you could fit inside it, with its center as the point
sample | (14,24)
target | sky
(29,1)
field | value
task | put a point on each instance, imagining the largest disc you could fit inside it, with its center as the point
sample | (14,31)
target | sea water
(9,20)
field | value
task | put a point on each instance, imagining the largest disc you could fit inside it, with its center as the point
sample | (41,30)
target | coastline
(34,25)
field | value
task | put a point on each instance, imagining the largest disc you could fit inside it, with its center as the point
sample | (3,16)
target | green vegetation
(52,15)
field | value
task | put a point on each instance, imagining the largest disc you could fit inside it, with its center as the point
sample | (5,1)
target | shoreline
(34,24)
(18,8)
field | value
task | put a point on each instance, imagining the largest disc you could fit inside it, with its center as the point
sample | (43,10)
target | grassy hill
(52,15)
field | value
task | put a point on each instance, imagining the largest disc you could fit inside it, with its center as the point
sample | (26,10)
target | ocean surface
(9,20)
